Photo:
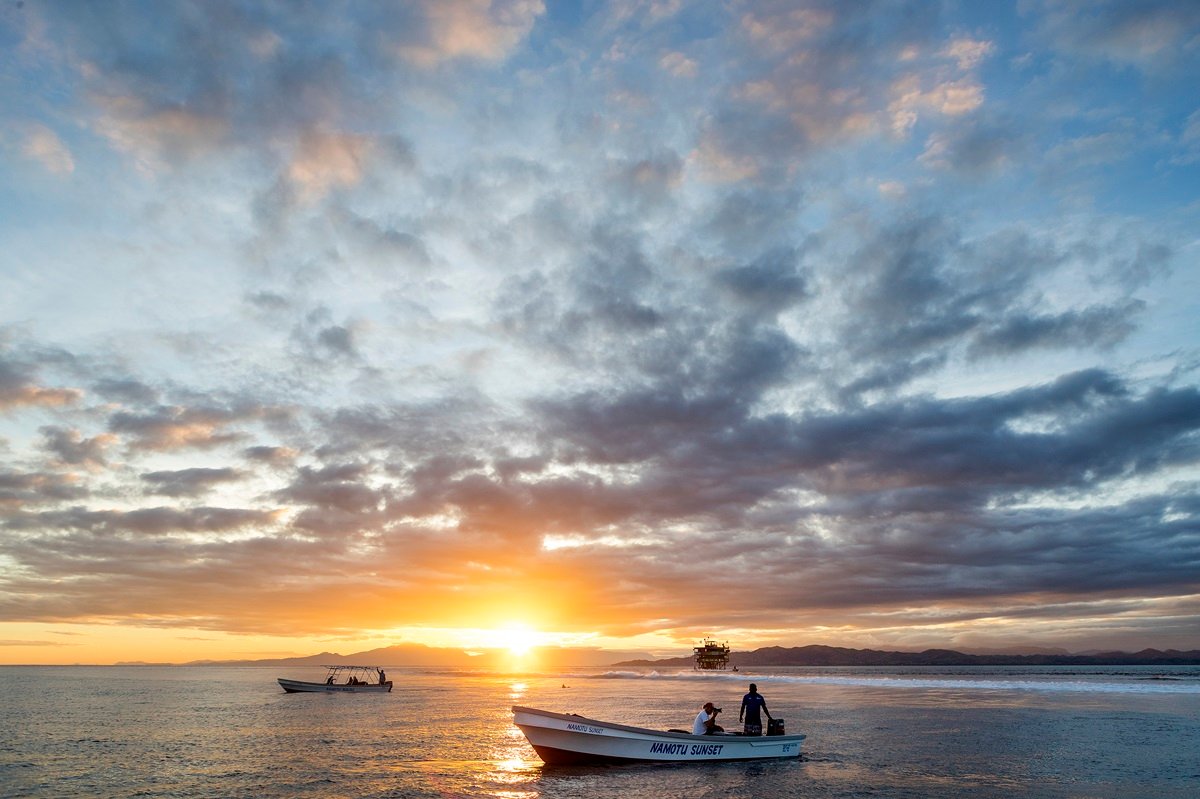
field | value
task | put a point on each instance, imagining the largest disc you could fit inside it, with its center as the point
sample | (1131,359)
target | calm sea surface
(917,732)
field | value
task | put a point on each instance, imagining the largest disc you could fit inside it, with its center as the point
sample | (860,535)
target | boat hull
(561,740)
(301,687)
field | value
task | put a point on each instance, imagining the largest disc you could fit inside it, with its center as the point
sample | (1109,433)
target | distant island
(817,655)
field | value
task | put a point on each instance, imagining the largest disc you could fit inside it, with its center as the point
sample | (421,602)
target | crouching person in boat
(706,721)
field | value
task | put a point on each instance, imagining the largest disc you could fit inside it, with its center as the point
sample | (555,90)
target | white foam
(1044,682)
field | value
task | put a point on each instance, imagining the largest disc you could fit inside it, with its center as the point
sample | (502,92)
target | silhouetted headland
(817,655)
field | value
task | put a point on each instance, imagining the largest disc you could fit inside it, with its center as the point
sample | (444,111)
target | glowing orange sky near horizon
(501,628)
(106,644)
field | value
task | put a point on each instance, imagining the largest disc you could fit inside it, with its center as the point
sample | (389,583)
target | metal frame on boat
(372,681)
(561,739)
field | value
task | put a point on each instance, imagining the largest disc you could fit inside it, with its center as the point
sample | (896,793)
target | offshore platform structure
(711,656)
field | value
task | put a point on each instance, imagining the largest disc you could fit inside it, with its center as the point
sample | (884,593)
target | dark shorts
(752,729)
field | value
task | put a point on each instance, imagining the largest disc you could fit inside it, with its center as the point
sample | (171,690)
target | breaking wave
(1035,680)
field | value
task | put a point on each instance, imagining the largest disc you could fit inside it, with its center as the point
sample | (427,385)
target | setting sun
(518,638)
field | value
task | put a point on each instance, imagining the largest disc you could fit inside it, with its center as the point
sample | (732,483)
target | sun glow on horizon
(518,638)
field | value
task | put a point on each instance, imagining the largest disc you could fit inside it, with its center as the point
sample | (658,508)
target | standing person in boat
(751,704)
(706,721)
(382,676)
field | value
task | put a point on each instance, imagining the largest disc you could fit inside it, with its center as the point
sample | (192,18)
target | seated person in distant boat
(329,680)
(706,721)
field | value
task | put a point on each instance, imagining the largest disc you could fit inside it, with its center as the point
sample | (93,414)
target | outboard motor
(775,727)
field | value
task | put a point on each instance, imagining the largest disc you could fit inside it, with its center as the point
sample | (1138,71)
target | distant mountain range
(839,656)
(547,658)
(551,658)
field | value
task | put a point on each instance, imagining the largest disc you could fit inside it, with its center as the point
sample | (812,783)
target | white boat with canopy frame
(343,679)
(569,740)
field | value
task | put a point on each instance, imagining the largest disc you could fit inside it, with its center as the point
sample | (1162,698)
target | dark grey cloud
(70,448)
(908,500)
(20,489)
(769,284)
(270,454)
(268,301)
(188,482)
(173,427)
(126,390)
(977,147)
(318,338)
(905,502)
(152,521)
(648,181)
(339,487)
(1097,327)
(19,385)
(1157,35)
(918,293)
(742,219)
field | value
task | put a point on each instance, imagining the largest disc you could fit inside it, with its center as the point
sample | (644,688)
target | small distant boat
(343,679)
(568,740)
(711,656)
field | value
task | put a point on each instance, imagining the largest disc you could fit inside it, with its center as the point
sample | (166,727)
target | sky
(334,325)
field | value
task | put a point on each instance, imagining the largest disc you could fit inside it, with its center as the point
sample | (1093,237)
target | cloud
(188,482)
(270,455)
(950,98)
(128,390)
(1088,328)
(475,299)
(149,521)
(167,428)
(325,161)
(72,449)
(337,487)
(931,294)
(18,387)
(679,65)
(1153,36)
(908,501)
(813,81)
(20,489)
(1189,140)
(770,284)
(191,84)
(968,52)
(158,136)
(974,149)
(43,146)
(321,340)
(480,29)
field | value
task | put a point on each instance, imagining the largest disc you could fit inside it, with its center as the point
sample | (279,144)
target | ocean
(154,731)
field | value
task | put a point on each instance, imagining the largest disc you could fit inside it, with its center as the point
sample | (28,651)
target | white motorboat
(343,679)
(561,739)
